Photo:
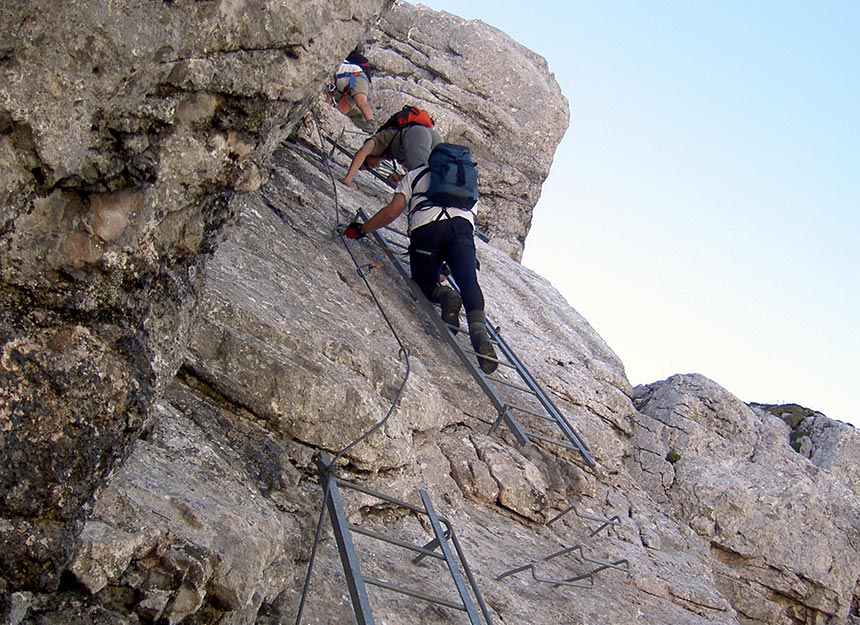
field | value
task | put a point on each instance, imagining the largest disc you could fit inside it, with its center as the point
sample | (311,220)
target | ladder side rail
(441,535)
(472,367)
(345,546)
(529,379)
(544,399)
(577,444)
(472,581)
(355,580)
(426,551)
(532,383)
(502,410)
(452,536)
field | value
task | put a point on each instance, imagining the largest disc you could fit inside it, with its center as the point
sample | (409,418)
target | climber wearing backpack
(439,200)
(351,85)
(407,137)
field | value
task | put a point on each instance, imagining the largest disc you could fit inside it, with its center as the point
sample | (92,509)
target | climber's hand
(354,231)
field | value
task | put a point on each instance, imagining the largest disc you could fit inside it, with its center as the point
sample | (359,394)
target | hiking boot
(450,302)
(484,346)
(481,342)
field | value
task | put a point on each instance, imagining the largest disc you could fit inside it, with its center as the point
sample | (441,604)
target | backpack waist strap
(352,76)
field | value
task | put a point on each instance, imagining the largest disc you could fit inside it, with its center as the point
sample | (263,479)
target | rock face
(483,90)
(163,402)
(738,483)
(125,130)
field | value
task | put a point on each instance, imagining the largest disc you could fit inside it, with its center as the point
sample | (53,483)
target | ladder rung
(496,360)
(396,231)
(534,414)
(388,539)
(413,593)
(524,389)
(462,330)
(396,244)
(552,441)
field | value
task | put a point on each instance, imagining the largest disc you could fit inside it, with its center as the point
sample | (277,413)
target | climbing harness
(352,76)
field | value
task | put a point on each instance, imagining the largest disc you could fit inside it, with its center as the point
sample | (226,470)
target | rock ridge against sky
(182,333)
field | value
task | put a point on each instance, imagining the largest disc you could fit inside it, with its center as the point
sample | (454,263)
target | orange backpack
(408,116)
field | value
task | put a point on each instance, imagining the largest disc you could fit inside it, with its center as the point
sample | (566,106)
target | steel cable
(403,353)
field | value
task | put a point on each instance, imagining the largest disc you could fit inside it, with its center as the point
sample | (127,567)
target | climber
(351,86)
(407,136)
(437,235)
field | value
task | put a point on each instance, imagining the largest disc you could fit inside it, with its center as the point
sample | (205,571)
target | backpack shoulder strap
(420,176)
(425,203)
(397,133)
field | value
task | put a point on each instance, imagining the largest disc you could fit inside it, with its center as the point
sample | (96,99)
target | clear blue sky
(703,209)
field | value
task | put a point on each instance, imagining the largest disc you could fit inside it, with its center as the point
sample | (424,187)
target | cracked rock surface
(182,333)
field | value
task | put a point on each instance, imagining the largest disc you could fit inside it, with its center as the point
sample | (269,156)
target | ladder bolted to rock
(542,407)
(445,540)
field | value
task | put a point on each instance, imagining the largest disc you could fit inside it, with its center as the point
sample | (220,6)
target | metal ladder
(445,540)
(541,407)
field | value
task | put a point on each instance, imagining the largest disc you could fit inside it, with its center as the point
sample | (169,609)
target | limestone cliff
(182,333)
(484,90)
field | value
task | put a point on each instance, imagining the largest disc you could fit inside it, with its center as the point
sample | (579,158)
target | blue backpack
(453,178)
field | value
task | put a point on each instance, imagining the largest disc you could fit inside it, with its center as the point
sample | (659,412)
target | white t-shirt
(349,68)
(430,213)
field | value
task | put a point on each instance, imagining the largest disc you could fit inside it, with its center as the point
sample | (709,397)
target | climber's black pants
(451,241)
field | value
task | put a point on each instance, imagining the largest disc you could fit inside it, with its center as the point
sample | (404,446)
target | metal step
(580,580)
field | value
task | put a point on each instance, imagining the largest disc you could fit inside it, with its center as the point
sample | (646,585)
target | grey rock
(165,396)
(521,486)
(778,525)
(210,535)
(472,475)
(828,444)
(126,129)
(484,90)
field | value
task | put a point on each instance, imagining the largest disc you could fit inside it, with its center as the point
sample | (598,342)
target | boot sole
(486,349)
(451,311)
